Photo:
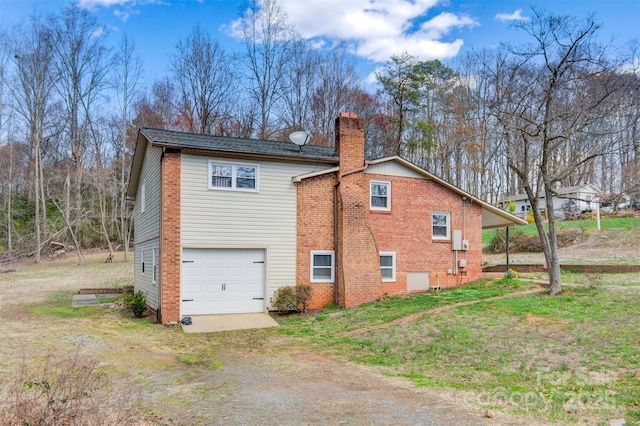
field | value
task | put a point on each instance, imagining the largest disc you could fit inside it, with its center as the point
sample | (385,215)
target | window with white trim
(441,225)
(380,195)
(388,266)
(322,266)
(143,196)
(232,176)
(154,266)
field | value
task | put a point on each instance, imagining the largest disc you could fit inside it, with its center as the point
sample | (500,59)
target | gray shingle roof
(252,147)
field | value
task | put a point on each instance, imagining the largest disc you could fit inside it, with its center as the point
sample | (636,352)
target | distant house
(222,223)
(570,201)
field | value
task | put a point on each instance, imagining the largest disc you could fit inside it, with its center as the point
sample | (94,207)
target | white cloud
(99,32)
(515,16)
(378,29)
(90,4)
(123,9)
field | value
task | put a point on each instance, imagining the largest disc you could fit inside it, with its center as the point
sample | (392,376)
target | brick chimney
(359,276)
(350,141)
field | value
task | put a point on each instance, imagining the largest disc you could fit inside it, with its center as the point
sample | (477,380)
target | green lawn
(590,224)
(568,358)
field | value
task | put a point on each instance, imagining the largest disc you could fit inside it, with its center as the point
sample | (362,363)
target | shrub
(67,390)
(511,274)
(292,298)
(137,302)
(530,217)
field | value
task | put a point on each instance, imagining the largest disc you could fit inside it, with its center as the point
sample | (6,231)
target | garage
(222,281)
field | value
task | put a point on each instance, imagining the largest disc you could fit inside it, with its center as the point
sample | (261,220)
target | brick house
(221,223)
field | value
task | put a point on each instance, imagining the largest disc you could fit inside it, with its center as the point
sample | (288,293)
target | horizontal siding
(147,224)
(391,168)
(235,219)
(144,282)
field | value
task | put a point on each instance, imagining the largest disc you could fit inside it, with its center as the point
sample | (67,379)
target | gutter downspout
(335,225)
(160,281)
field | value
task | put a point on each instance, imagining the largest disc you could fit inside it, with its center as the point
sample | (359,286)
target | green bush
(292,298)
(137,302)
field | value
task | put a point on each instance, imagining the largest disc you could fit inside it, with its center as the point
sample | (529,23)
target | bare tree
(128,72)
(205,76)
(32,94)
(81,73)
(298,83)
(558,88)
(267,36)
(336,89)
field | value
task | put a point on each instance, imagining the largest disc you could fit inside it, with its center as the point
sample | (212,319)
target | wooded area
(560,110)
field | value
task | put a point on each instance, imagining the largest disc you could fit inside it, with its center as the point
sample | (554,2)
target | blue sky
(373,29)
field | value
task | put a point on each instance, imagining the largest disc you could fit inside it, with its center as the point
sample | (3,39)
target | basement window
(322,266)
(441,225)
(233,177)
(388,266)
(380,198)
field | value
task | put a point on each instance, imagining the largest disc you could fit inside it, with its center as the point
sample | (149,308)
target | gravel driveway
(275,382)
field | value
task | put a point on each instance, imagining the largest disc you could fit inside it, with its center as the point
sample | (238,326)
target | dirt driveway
(258,378)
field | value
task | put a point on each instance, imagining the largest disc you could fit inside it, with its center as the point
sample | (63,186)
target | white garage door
(222,281)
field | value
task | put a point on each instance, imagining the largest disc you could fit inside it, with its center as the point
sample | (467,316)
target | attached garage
(222,281)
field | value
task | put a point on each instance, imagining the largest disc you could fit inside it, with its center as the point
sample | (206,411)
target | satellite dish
(300,138)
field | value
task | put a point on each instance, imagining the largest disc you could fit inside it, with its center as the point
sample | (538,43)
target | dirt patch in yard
(246,377)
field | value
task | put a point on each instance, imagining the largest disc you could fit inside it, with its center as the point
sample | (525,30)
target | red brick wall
(359,277)
(362,234)
(406,230)
(358,265)
(170,237)
(315,232)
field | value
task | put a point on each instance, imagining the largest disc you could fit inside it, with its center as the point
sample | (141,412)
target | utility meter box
(462,263)
(456,240)
(465,244)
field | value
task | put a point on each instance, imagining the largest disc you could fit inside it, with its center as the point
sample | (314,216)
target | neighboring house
(570,201)
(222,223)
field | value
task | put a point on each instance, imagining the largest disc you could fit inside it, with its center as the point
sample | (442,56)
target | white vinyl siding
(392,168)
(388,266)
(144,253)
(244,220)
(147,224)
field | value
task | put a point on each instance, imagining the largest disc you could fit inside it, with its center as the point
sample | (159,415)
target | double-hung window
(441,225)
(388,266)
(322,266)
(234,177)
(143,196)
(380,195)
(154,266)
